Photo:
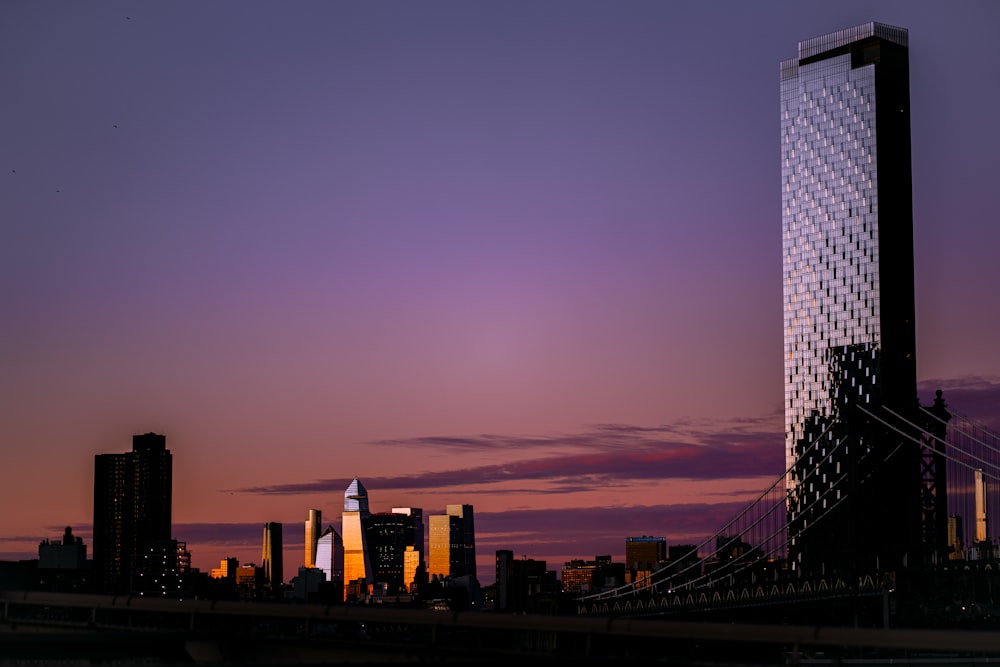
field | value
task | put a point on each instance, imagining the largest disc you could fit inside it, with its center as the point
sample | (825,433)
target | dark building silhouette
(521,583)
(63,564)
(388,534)
(69,553)
(132,497)
(162,569)
(854,486)
(580,576)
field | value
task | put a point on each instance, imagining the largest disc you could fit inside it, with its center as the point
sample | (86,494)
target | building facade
(330,555)
(357,566)
(452,543)
(467,545)
(132,501)
(271,559)
(314,527)
(444,542)
(414,567)
(645,553)
(388,536)
(849,345)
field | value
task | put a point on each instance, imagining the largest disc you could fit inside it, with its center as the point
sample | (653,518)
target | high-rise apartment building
(849,345)
(132,500)
(314,526)
(357,566)
(271,559)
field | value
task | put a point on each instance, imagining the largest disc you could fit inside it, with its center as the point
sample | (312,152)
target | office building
(388,535)
(132,500)
(330,555)
(468,542)
(314,526)
(580,576)
(452,543)
(413,556)
(357,566)
(644,554)
(226,570)
(849,345)
(271,559)
(413,569)
(444,542)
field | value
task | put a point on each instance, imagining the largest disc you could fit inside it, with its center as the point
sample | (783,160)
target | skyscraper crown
(356,497)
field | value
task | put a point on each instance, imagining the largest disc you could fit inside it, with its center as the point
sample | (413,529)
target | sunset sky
(522,255)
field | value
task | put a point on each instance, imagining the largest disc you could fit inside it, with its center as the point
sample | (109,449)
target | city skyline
(522,257)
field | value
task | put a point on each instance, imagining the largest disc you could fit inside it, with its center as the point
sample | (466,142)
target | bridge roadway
(66,629)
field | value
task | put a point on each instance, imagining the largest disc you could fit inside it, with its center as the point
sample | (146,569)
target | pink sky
(519,255)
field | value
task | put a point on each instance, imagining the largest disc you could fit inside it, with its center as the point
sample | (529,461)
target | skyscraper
(452,543)
(388,535)
(132,500)
(330,555)
(849,346)
(357,567)
(271,556)
(413,556)
(314,524)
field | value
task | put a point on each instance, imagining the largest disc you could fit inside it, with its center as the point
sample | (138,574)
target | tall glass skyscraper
(357,565)
(849,345)
(453,542)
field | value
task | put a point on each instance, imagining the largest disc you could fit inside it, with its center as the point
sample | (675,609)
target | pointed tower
(357,567)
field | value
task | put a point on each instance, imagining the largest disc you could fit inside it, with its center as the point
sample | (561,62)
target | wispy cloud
(668,460)
(976,397)
(601,455)
(230,534)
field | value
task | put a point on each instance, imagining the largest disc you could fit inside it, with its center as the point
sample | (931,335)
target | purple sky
(524,255)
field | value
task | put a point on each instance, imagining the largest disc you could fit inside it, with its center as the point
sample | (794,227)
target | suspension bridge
(751,568)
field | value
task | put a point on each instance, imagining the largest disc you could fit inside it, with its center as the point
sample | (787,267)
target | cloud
(974,397)
(602,455)
(239,533)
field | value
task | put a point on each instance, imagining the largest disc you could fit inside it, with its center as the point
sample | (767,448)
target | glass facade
(272,555)
(314,525)
(330,555)
(847,255)
(357,566)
